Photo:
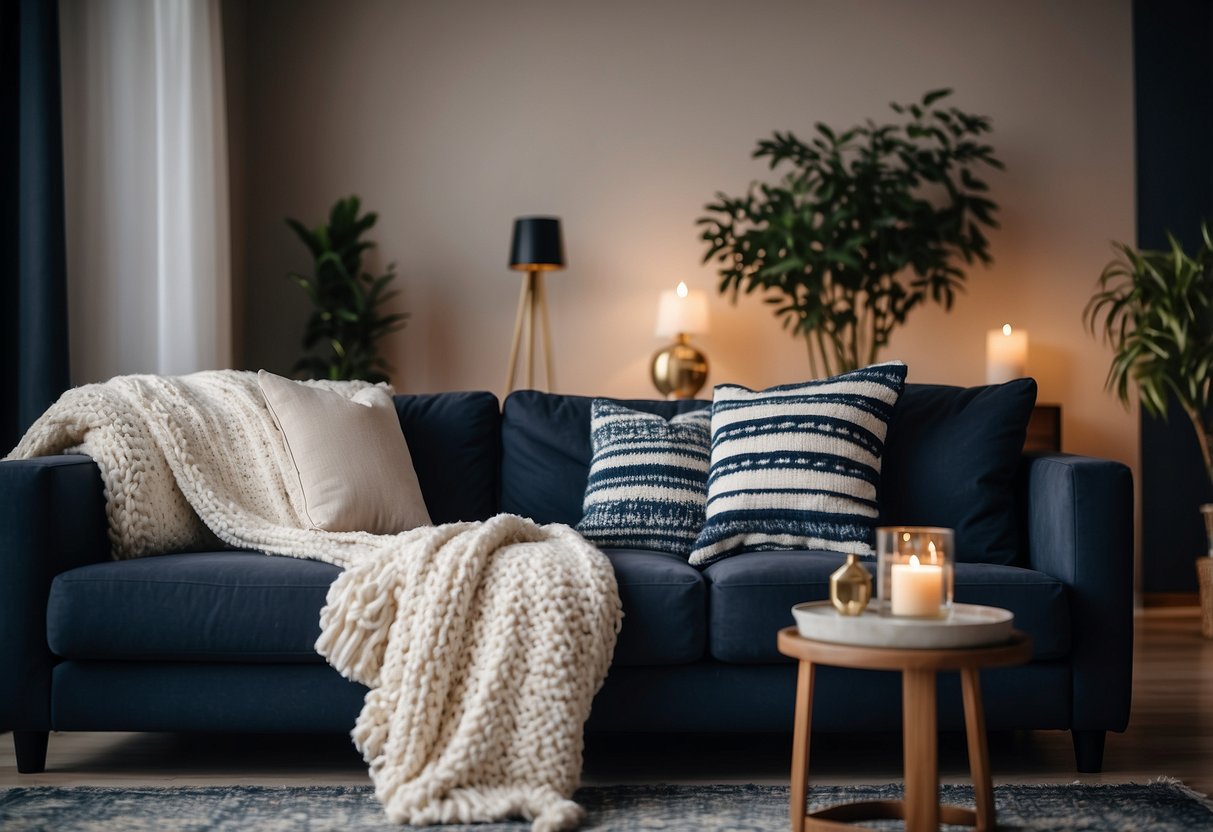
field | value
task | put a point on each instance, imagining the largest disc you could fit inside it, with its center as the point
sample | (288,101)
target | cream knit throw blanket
(482,643)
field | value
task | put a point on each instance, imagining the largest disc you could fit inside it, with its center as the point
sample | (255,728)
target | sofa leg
(1088,750)
(31,751)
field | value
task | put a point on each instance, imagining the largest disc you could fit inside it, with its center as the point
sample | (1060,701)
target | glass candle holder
(914,571)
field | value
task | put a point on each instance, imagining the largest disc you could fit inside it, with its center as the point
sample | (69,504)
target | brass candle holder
(851,587)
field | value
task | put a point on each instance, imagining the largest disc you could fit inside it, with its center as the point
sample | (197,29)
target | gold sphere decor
(679,370)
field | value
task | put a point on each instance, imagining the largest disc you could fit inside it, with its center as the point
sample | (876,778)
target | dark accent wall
(1173,76)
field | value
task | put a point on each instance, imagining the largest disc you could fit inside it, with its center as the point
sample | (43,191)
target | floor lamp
(537,247)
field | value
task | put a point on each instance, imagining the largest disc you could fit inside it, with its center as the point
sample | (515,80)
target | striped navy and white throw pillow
(797,466)
(648,479)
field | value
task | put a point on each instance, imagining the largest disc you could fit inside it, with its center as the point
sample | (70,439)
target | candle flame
(913,561)
(905,536)
(931,549)
(1006,329)
(682,289)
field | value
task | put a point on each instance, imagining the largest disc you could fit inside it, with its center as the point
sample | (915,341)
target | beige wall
(624,118)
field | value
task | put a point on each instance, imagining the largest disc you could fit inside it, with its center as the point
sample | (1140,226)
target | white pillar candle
(917,589)
(1006,354)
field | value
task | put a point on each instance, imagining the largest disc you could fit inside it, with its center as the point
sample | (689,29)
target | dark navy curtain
(33,261)
(1173,74)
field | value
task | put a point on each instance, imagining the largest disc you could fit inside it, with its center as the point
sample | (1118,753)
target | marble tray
(969,625)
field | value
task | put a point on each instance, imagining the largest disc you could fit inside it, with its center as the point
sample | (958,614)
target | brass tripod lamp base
(537,247)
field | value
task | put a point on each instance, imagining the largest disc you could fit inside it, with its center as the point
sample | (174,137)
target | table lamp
(537,247)
(680,370)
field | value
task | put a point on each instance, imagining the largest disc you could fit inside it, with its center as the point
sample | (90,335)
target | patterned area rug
(1164,806)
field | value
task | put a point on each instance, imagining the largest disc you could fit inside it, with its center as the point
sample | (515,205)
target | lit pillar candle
(1006,354)
(917,589)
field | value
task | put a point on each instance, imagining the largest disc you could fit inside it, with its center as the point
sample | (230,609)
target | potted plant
(341,334)
(866,224)
(1155,308)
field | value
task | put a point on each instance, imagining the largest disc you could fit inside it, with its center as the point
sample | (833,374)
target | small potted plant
(341,334)
(1155,308)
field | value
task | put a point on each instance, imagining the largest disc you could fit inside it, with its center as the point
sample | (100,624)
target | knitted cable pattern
(482,644)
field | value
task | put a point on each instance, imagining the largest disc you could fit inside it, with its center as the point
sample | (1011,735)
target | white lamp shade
(1006,354)
(686,315)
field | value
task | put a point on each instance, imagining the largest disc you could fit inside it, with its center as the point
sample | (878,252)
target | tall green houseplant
(1155,308)
(865,225)
(340,340)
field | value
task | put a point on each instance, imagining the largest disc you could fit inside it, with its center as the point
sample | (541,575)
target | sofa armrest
(52,518)
(1080,531)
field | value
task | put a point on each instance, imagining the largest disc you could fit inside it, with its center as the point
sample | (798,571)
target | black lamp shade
(537,244)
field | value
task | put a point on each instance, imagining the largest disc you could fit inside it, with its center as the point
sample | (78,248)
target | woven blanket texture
(483,643)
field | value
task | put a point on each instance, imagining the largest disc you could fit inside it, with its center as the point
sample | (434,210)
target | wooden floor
(1170,734)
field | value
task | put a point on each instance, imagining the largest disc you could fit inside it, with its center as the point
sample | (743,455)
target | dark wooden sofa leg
(1088,750)
(31,751)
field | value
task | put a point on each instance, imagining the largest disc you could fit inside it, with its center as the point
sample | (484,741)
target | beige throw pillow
(352,459)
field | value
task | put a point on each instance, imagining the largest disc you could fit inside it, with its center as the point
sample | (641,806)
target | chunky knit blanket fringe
(482,643)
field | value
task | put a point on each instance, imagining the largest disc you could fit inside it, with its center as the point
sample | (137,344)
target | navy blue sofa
(195,641)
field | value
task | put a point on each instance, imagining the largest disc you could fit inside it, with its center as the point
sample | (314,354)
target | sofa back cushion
(546,451)
(455,441)
(950,460)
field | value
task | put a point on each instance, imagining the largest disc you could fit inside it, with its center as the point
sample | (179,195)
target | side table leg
(921,750)
(800,746)
(979,753)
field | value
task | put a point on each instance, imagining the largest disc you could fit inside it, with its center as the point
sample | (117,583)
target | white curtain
(146,182)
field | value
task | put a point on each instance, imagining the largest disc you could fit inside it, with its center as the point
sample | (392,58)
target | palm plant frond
(1155,309)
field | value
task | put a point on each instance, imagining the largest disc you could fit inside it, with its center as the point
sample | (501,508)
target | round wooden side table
(920,809)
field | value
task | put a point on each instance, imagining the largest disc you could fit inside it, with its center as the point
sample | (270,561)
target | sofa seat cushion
(664,608)
(205,606)
(750,598)
(249,607)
